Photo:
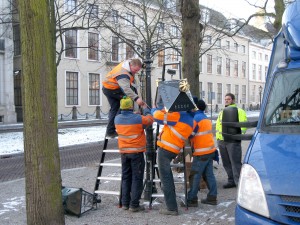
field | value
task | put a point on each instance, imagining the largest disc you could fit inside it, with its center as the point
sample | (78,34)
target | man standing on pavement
(178,126)
(118,83)
(132,145)
(231,150)
(204,149)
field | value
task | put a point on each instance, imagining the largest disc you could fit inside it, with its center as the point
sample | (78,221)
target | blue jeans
(164,159)
(202,165)
(133,166)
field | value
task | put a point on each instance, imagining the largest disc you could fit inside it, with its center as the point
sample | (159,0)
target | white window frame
(76,48)
(228,88)
(209,63)
(228,45)
(88,51)
(174,31)
(99,90)
(160,28)
(129,20)
(118,48)
(219,93)
(244,65)
(253,71)
(236,47)
(70,5)
(219,65)
(243,49)
(218,42)
(115,16)
(236,68)
(93,10)
(128,46)
(78,88)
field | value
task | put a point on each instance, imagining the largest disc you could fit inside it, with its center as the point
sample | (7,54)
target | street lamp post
(150,154)
(260,91)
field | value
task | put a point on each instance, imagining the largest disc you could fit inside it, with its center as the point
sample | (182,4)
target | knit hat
(195,99)
(201,105)
(126,103)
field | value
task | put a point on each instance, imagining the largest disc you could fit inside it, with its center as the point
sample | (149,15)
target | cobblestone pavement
(12,166)
(79,169)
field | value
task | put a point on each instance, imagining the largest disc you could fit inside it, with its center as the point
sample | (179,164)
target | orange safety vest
(110,81)
(178,126)
(130,128)
(203,140)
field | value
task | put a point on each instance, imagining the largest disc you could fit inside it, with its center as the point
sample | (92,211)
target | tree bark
(279,8)
(190,43)
(42,162)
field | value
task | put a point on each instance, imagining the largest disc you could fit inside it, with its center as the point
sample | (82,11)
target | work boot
(137,209)
(210,200)
(125,207)
(190,203)
(229,185)
(168,212)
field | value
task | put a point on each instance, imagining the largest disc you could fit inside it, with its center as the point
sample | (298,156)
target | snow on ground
(12,142)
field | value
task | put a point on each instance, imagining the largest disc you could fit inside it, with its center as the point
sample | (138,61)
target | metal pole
(210,105)
(149,131)
(259,99)
(260,91)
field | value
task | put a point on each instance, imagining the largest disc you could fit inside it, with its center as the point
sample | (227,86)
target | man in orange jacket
(204,150)
(178,126)
(132,145)
(118,83)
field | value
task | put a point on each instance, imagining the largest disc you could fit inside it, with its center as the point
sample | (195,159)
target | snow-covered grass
(12,142)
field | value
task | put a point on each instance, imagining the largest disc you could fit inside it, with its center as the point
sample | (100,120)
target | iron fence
(76,115)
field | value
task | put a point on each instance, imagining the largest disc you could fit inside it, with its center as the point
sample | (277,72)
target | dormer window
(205,15)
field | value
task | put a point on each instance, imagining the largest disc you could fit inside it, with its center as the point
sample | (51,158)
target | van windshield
(283,106)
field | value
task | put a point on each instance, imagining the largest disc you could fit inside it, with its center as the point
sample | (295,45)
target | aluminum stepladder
(183,181)
(154,170)
(100,178)
(102,164)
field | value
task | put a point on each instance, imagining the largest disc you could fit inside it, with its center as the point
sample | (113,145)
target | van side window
(283,106)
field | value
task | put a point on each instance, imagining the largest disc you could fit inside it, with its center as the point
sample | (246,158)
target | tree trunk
(42,162)
(279,10)
(190,43)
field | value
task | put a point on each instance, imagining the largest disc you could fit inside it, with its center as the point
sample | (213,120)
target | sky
(12,142)
(233,8)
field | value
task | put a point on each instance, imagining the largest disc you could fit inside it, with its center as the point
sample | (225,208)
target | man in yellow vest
(231,150)
(118,83)
(202,142)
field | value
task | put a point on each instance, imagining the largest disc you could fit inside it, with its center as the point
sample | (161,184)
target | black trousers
(113,98)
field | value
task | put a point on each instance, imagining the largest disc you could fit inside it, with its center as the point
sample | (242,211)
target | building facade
(87,51)
(259,57)
(7,106)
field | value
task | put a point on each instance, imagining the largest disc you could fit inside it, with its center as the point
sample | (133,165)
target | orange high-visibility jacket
(110,81)
(178,126)
(130,128)
(203,139)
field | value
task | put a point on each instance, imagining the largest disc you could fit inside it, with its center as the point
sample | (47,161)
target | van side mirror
(238,137)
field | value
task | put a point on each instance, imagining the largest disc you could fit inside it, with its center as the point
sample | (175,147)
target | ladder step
(176,181)
(110,178)
(161,195)
(111,164)
(107,192)
(179,165)
(112,151)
